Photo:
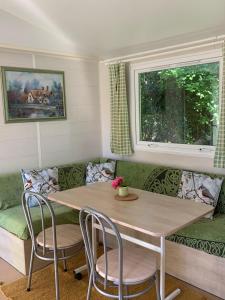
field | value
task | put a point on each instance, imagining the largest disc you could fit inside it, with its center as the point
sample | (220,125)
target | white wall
(199,163)
(28,145)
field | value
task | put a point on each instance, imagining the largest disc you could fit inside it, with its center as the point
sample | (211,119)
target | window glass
(179,105)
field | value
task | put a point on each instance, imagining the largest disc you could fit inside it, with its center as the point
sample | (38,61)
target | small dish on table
(129,197)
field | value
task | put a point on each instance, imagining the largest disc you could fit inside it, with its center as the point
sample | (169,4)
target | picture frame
(33,95)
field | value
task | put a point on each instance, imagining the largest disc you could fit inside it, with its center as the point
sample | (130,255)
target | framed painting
(33,95)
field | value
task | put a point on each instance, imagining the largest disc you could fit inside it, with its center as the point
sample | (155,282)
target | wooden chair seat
(68,235)
(139,264)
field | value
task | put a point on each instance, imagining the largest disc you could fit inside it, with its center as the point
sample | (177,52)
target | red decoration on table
(117,182)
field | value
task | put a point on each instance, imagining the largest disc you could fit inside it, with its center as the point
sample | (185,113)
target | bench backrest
(11,185)
(153,178)
(158,179)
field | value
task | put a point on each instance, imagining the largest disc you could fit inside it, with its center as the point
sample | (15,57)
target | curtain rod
(166,50)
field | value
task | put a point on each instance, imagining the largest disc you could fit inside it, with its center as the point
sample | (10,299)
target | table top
(152,214)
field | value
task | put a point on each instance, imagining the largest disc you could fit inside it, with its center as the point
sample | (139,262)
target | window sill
(199,151)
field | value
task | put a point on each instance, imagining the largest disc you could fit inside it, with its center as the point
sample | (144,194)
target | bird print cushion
(40,181)
(102,172)
(200,188)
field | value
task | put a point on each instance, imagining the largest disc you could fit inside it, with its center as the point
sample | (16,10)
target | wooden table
(153,214)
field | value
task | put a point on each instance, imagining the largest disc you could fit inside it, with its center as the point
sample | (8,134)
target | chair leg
(89,287)
(120,290)
(56,276)
(30,269)
(157,286)
(88,265)
(64,261)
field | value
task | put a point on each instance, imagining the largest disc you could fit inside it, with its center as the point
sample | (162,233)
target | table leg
(162,268)
(175,293)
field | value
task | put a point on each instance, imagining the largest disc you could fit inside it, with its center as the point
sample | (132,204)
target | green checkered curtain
(120,129)
(219,158)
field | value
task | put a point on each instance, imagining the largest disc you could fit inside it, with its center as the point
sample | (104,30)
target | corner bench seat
(13,220)
(191,265)
(206,235)
(15,244)
(196,253)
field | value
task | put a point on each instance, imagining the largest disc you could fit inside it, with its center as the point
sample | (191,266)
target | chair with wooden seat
(117,268)
(55,243)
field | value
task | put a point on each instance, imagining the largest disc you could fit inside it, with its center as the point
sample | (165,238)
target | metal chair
(51,243)
(118,268)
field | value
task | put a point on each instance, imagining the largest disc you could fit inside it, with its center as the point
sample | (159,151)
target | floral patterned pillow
(200,188)
(100,172)
(43,182)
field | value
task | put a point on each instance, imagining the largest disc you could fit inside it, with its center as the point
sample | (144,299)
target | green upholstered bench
(201,235)
(205,235)
(13,228)
(12,219)
(196,253)
(11,214)
(11,188)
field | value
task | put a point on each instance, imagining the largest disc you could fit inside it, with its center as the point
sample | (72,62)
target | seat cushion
(139,264)
(206,235)
(13,219)
(68,235)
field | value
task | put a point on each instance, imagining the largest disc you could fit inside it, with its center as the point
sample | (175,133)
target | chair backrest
(87,216)
(42,202)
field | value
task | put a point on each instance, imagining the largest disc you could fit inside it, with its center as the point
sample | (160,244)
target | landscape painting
(33,95)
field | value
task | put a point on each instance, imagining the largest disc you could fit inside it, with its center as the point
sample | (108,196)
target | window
(177,105)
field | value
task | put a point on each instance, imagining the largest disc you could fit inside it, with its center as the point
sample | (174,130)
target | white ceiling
(106,28)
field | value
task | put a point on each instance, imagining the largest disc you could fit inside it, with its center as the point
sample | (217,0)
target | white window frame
(214,55)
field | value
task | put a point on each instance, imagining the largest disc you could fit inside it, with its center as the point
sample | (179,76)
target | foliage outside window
(179,105)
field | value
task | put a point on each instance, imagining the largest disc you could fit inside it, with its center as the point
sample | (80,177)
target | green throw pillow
(11,188)
(163,181)
(71,176)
